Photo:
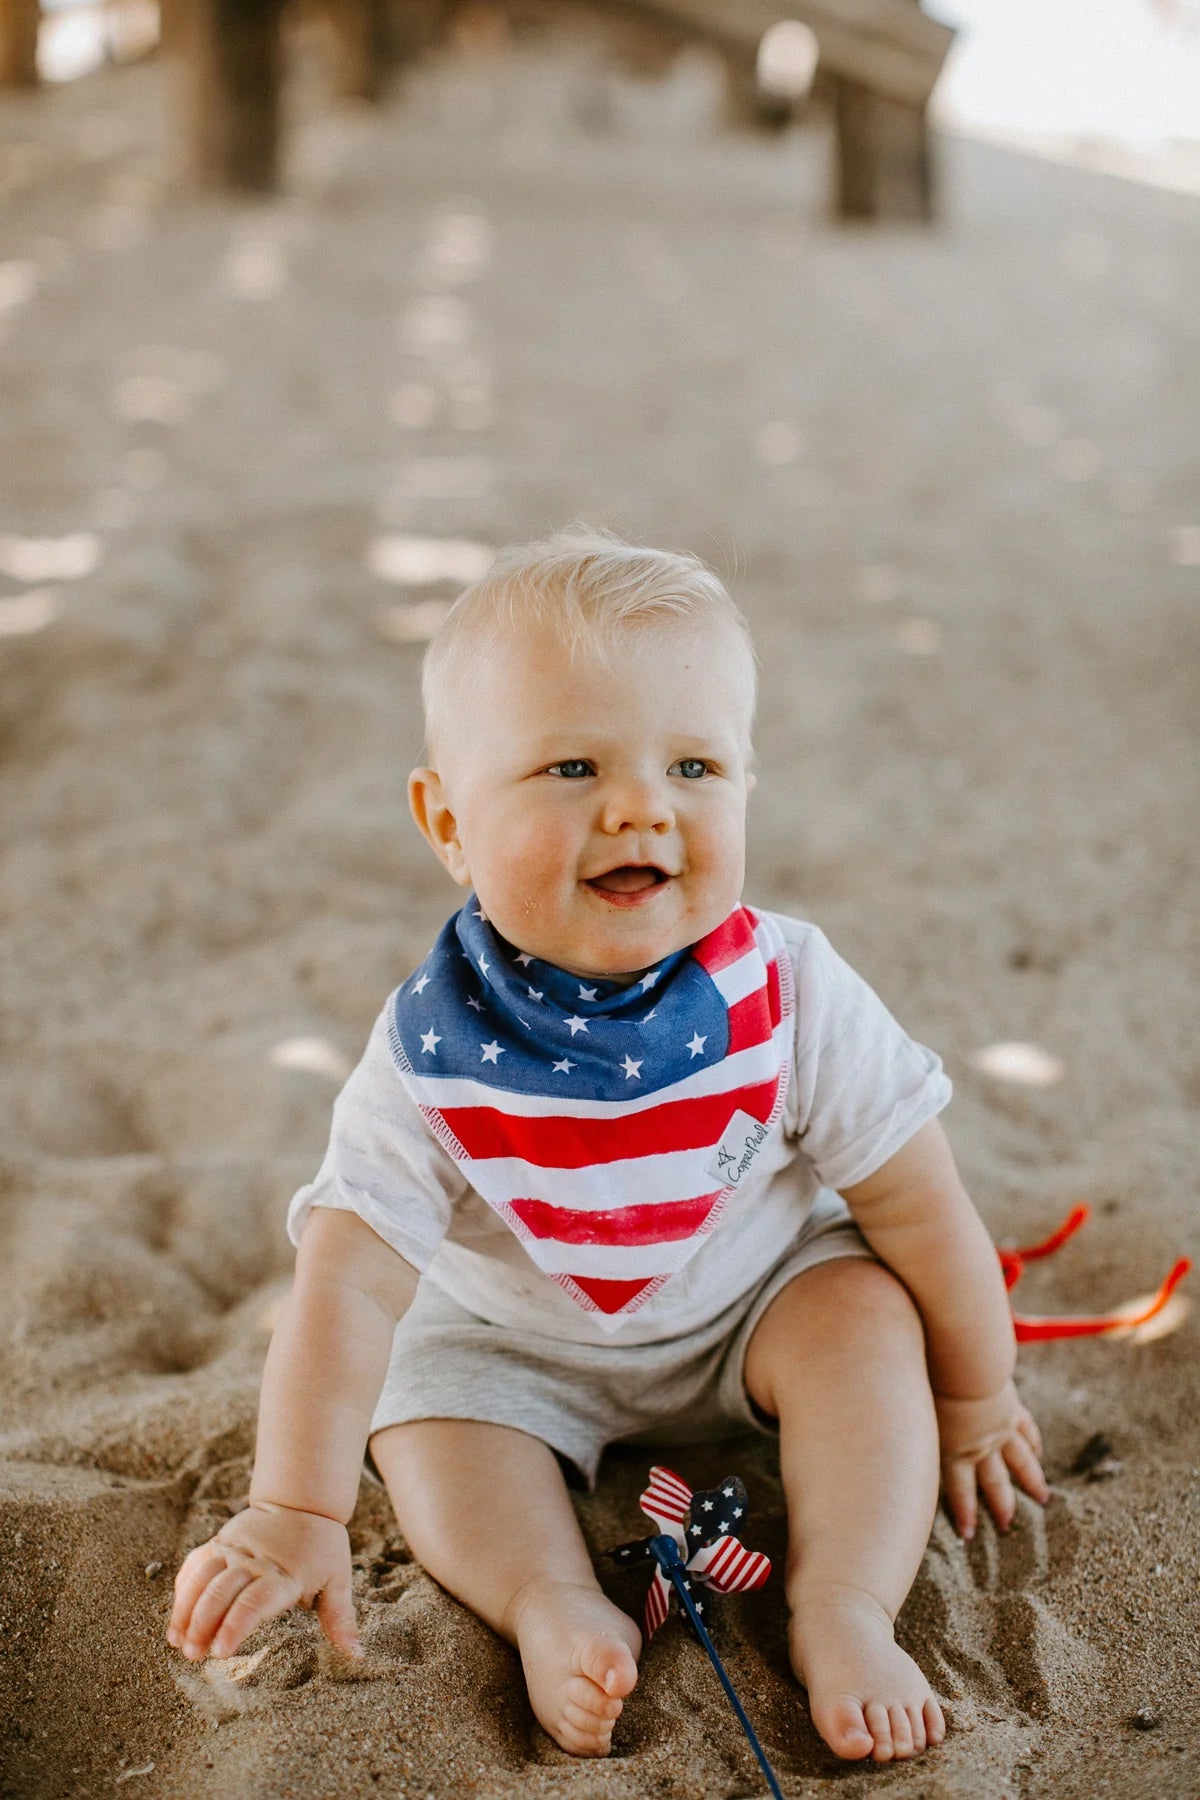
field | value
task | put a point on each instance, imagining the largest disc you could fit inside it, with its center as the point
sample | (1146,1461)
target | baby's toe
(582,1733)
(583,1720)
(916,1721)
(935,1724)
(582,1692)
(902,1737)
(840,1722)
(610,1664)
(879,1725)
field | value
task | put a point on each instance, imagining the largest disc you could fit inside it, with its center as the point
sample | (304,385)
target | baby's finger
(1027,1425)
(958,1479)
(211,1608)
(265,1598)
(1026,1468)
(997,1489)
(195,1572)
(335,1610)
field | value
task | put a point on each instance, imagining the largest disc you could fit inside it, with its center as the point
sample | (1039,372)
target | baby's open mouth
(630,878)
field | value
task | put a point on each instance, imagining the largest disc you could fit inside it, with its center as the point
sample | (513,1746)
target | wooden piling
(884,166)
(358,29)
(232,67)
(18,43)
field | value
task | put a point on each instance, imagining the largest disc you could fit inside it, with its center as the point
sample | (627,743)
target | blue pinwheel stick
(696,1541)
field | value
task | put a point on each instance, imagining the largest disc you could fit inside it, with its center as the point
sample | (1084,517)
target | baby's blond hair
(584,585)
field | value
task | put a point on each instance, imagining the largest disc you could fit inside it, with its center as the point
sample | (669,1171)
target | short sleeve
(861,1086)
(383,1162)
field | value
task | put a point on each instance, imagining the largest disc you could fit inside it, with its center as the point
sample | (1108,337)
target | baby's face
(598,807)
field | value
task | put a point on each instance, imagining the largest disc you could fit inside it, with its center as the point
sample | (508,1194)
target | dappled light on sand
(1026,1064)
(414,624)
(459,249)
(18,284)
(312,1055)
(67,558)
(418,561)
(256,269)
(23,614)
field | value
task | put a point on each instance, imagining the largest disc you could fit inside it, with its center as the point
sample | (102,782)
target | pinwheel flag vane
(696,1542)
(704,1528)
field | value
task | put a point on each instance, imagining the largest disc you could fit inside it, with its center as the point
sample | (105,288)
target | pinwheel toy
(1090,1325)
(696,1542)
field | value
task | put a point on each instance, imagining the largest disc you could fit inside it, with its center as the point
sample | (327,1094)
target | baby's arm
(917,1217)
(324,1370)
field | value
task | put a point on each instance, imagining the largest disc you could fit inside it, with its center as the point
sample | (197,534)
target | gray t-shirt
(859,1089)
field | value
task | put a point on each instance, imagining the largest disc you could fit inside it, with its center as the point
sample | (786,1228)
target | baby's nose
(640,806)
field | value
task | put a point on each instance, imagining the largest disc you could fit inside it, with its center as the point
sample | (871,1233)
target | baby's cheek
(530,870)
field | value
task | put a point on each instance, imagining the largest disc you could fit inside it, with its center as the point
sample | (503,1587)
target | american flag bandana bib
(609,1127)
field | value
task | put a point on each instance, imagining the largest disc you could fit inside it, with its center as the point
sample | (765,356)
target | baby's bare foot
(868,1698)
(579,1653)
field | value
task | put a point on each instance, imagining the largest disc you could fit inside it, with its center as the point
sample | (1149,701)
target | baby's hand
(264,1561)
(989,1442)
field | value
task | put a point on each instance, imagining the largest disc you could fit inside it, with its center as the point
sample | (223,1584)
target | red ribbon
(1085,1325)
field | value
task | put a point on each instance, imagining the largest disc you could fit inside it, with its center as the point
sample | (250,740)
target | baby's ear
(436,822)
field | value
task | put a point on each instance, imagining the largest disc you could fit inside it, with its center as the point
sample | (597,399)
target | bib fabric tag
(740,1143)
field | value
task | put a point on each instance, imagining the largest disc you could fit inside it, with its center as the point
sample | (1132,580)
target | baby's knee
(884,1305)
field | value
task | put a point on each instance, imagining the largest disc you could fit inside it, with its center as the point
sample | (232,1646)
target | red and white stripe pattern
(666,1500)
(611,1198)
(729,1567)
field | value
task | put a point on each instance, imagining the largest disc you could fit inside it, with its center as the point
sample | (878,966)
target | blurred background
(890,314)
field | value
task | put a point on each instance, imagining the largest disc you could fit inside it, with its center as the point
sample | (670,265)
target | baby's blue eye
(691,768)
(572,769)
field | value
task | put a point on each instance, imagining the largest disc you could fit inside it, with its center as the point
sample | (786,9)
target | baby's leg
(839,1359)
(486,1511)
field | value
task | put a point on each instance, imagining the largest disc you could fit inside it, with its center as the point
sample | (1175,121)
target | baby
(624,1160)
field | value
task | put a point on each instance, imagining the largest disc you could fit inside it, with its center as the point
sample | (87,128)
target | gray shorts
(448,1364)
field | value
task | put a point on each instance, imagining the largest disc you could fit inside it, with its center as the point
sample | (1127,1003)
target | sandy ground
(952,478)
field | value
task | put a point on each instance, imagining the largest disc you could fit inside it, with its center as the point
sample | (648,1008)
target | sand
(953,479)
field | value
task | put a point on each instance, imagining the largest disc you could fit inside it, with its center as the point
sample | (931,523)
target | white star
(708,1505)
(728,1493)
(535,993)
(563,1066)
(633,1070)
(491,1052)
(586,993)
(737,1512)
(420,984)
(429,1043)
(484,965)
(648,981)
(724,1525)
(695,1532)
(524,959)
(697,1044)
(575,1024)
(475,1005)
